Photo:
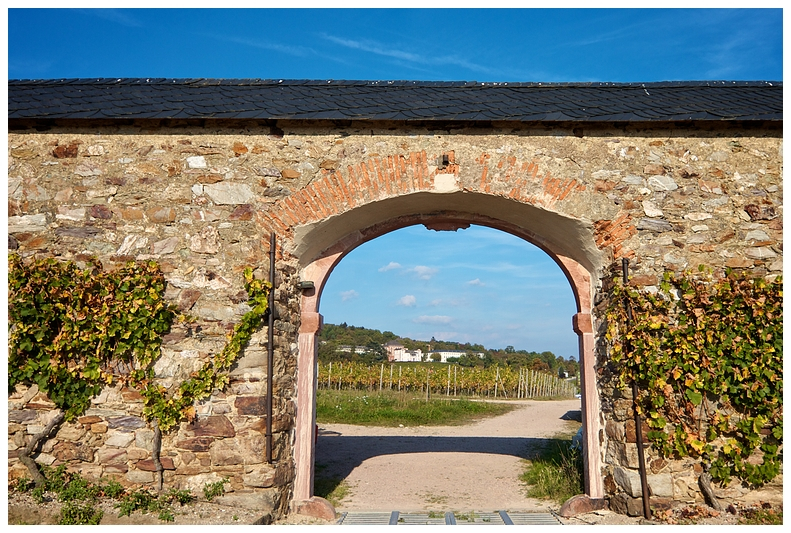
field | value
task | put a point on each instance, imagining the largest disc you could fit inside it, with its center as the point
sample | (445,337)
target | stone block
(250,405)
(628,480)
(268,475)
(71,432)
(662,183)
(196,482)
(149,466)
(660,485)
(225,453)
(161,215)
(226,193)
(110,455)
(100,212)
(631,431)
(206,242)
(69,451)
(116,468)
(316,507)
(580,504)
(120,439)
(262,501)
(126,422)
(27,223)
(22,416)
(139,476)
(654,224)
(196,444)
(626,505)
(44,459)
(135,454)
(243,212)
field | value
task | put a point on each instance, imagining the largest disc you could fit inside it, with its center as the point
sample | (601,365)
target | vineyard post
(399,378)
(428,387)
(381,375)
(448,390)
(496,380)
(391,376)
(329,378)
(455,368)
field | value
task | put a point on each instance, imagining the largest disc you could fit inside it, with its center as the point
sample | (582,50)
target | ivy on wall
(74,331)
(707,355)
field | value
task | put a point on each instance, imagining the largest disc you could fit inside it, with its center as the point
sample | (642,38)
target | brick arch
(418,174)
(320,239)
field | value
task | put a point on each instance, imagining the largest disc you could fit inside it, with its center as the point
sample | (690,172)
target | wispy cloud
(114,15)
(476,282)
(449,302)
(433,319)
(349,295)
(298,51)
(392,265)
(409,58)
(424,272)
(407,301)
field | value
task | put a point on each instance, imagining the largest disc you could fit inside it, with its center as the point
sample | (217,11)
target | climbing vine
(707,355)
(73,331)
(170,409)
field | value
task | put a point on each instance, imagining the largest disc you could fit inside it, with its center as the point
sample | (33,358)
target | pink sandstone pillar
(583,326)
(305,423)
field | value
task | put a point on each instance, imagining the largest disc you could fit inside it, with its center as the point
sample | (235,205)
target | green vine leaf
(707,354)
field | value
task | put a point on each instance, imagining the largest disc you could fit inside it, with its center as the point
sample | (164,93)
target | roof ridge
(397,83)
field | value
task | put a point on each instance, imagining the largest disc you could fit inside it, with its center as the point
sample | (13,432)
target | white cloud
(392,265)
(450,302)
(407,301)
(114,15)
(477,282)
(412,59)
(349,295)
(424,272)
(433,319)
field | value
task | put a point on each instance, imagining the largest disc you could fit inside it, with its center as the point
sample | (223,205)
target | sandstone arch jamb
(318,271)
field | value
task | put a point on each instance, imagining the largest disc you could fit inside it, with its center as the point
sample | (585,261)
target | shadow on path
(338,455)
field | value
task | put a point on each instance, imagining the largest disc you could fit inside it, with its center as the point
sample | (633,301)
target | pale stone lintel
(582,323)
(445,183)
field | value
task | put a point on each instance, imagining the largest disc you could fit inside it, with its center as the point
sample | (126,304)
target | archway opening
(339,237)
(447,295)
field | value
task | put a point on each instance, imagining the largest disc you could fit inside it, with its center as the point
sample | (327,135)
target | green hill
(353,343)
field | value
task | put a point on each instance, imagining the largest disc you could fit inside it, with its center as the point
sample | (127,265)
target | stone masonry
(202,202)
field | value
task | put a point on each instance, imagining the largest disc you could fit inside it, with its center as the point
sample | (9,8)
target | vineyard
(443,379)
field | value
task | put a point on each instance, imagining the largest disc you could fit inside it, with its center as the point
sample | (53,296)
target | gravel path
(443,468)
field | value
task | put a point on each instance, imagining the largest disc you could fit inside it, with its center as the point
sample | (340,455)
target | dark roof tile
(393,100)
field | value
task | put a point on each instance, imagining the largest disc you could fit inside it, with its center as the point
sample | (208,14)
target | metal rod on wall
(638,423)
(270,342)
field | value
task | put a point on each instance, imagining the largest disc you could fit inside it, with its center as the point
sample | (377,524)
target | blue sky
(475,285)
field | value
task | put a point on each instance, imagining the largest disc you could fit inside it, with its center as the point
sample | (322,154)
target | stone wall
(202,201)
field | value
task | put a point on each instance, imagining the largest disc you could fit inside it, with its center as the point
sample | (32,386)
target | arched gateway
(561,238)
(197,174)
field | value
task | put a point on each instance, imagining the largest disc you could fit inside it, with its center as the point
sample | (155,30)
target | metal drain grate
(496,518)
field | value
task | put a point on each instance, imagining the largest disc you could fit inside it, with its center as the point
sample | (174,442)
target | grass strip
(391,409)
(555,472)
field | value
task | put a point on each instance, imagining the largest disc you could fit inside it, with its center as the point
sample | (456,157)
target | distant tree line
(333,337)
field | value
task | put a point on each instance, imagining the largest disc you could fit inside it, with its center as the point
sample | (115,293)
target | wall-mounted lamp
(305,285)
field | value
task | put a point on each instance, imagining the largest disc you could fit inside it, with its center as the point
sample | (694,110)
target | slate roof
(127,98)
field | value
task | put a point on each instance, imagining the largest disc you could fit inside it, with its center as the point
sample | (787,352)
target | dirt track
(446,468)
